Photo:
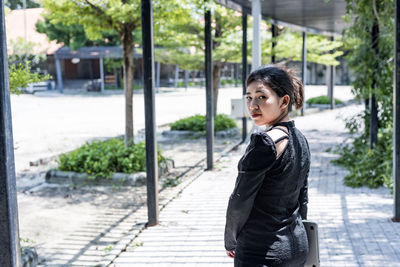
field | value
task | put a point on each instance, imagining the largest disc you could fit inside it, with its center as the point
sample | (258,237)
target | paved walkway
(354,224)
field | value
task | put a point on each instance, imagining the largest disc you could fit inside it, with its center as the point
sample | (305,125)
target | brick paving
(354,224)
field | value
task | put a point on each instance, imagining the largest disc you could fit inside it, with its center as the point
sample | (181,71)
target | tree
(21,75)
(183,38)
(121,16)
(289,48)
(18,4)
(371,59)
(74,36)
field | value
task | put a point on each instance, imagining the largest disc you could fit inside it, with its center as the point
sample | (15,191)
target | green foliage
(171,182)
(21,51)
(373,73)
(289,48)
(183,34)
(103,158)
(323,99)
(16,4)
(21,75)
(197,123)
(74,35)
(370,167)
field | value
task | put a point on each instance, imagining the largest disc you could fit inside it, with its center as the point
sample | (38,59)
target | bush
(104,158)
(322,100)
(197,123)
(366,166)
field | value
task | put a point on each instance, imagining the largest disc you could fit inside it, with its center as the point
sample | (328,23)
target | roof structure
(318,16)
(93,52)
(15,29)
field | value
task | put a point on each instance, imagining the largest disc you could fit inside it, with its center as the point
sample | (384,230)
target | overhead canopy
(319,16)
(92,52)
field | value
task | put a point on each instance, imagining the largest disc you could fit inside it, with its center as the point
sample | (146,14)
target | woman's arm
(303,198)
(255,163)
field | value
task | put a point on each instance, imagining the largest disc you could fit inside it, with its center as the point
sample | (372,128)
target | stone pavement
(354,224)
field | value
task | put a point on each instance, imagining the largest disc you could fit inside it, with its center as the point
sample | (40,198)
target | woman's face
(263,104)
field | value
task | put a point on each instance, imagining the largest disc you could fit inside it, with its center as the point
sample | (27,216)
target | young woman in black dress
(265,211)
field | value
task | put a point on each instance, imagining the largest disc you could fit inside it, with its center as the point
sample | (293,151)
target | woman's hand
(230,253)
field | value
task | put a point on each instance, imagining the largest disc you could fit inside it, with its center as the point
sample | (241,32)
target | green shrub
(197,123)
(322,100)
(366,166)
(103,158)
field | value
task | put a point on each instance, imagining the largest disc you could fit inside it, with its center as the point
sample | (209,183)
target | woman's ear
(285,100)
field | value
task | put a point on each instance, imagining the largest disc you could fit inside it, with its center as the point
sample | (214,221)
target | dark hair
(282,81)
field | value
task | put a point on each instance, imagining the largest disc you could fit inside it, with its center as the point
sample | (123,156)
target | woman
(265,211)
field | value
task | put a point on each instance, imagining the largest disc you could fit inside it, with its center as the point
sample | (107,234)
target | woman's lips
(255,115)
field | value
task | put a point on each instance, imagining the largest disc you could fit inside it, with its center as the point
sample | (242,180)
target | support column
(176,75)
(331,82)
(186,79)
(101,75)
(10,254)
(244,74)
(59,75)
(396,116)
(209,91)
(236,73)
(304,67)
(373,129)
(158,74)
(150,121)
(256,48)
(274,34)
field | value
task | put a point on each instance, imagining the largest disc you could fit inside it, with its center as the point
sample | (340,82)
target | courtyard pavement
(354,223)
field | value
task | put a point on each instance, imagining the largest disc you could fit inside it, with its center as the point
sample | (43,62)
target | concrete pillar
(158,74)
(101,75)
(59,75)
(176,75)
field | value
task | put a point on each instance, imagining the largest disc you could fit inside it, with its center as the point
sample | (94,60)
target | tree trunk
(216,77)
(127,47)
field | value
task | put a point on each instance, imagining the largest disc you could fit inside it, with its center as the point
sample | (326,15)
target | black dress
(265,211)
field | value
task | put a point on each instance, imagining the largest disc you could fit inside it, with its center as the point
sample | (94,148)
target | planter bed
(191,134)
(119,179)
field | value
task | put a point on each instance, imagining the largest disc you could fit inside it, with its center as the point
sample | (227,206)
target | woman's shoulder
(262,139)
(260,151)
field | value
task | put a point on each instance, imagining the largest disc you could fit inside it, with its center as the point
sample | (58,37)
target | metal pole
(256,47)
(274,34)
(101,74)
(158,74)
(9,233)
(331,82)
(304,65)
(396,116)
(186,79)
(373,133)
(59,75)
(176,75)
(244,74)
(150,122)
(209,91)
(236,73)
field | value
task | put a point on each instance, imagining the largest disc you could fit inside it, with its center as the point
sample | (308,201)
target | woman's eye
(261,97)
(248,97)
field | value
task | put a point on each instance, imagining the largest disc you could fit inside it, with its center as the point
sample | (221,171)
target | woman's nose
(253,104)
